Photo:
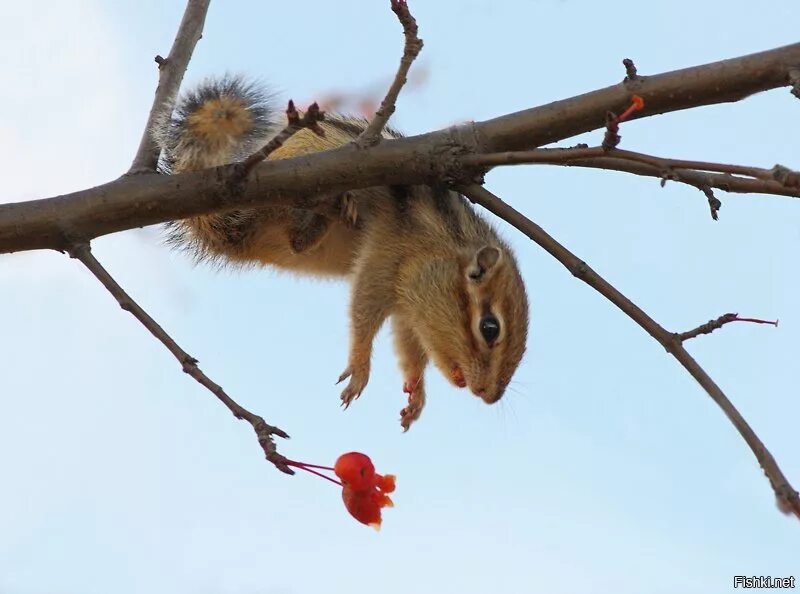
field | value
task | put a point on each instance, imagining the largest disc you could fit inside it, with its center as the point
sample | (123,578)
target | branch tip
(295,122)
(718,323)
(411,49)
(630,70)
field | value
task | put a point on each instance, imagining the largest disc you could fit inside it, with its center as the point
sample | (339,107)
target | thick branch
(725,81)
(170,76)
(146,200)
(788,499)
(264,432)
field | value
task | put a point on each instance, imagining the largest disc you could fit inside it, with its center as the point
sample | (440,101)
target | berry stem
(310,467)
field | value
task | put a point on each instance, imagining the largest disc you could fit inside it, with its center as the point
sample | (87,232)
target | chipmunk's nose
(487,395)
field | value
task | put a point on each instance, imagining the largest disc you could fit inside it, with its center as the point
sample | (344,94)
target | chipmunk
(416,254)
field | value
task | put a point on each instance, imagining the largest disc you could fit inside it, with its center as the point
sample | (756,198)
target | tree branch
(170,75)
(725,81)
(787,497)
(778,180)
(264,432)
(295,122)
(149,199)
(412,47)
(712,325)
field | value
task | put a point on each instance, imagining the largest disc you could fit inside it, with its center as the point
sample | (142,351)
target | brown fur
(408,252)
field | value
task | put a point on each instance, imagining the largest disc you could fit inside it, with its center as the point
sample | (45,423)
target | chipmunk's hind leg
(310,222)
(306,230)
(413,359)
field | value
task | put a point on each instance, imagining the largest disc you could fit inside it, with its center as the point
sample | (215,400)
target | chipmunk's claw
(416,402)
(345,374)
(358,381)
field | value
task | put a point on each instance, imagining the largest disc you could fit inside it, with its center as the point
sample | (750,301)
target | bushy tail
(221,121)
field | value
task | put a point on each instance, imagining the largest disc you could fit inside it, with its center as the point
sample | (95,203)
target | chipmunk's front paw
(416,402)
(359,376)
(349,209)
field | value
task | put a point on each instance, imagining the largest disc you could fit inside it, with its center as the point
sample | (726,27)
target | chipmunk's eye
(490,328)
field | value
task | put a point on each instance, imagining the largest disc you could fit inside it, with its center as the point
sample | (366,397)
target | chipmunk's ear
(482,262)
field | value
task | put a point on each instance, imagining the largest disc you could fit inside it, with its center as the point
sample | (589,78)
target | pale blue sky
(605,469)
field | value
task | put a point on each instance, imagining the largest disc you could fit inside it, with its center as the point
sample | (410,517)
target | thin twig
(703,175)
(698,179)
(714,203)
(787,497)
(264,432)
(310,119)
(712,325)
(413,45)
(708,327)
(170,75)
(562,156)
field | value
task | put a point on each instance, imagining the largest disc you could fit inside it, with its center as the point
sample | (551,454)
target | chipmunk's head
(475,319)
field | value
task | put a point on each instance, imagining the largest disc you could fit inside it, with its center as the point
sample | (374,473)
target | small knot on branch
(788,500)
(78,250)
(785,176)
(161,61)
(612,138)
(630,70)
(579,269)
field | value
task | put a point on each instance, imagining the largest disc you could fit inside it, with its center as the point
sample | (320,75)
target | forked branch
(295,122)
(702,175)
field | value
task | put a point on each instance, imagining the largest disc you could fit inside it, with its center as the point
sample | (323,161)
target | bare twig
(413,45)
(736,178)
(264,432)
(794,79)
(787,497)
(714,203)
(310,119)
(170,75)
(698,179)
(712,325)
(561,156)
